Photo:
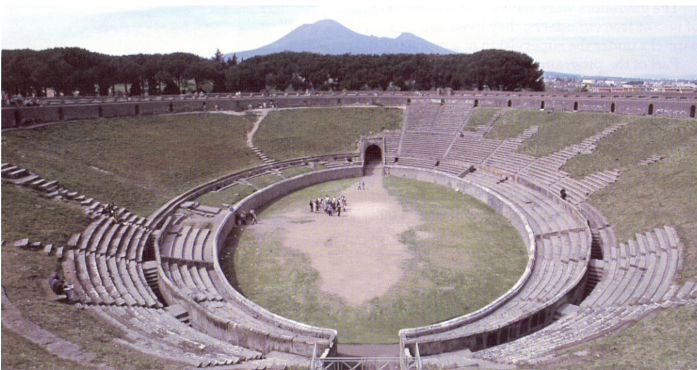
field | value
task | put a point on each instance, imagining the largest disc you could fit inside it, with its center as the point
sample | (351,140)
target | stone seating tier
(452,167)
(192,279)
(575,328)
(392,139)
(640,271)
(551,278)
(157,333)
(563,247)
(424,144)
(452,117)
(472,149)
(420,117)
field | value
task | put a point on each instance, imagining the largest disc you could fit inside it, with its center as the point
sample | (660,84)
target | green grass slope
(295,133)
(135,162)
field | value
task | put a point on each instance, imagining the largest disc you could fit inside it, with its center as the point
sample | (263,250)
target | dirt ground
(358,255)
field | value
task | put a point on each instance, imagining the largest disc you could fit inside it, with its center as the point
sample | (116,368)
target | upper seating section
(452,116)
(421,114)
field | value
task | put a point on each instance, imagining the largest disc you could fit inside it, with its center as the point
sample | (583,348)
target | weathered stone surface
(22,243)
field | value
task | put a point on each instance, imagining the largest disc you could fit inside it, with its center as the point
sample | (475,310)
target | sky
(609,40)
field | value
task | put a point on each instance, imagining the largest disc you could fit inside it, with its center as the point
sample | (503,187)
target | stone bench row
(429,145)
(640,271)
(188,243)
(99,280)
(558,270)
(579,190)
(562,250)
(192,279)
(545,216)
(453,167)
(414,162)
(420,117)
(105,237)
(186,263)
(506,159)
(392,142)
(472,149)
(256,333)
(12,172)
(577,327)
(156,332)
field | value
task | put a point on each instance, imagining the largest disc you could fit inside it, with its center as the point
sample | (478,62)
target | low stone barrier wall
(506,331)
(207,322)
(260,198)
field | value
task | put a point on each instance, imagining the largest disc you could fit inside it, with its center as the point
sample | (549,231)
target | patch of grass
(472,256)
(263,181)
(566,129)
(25,214)
(654,343)
(481,116)
(20,353)
(295,133)
(557,130)
(231,195)
(296,171)
(135,162)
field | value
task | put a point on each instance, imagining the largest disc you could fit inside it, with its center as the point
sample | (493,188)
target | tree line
(66,70)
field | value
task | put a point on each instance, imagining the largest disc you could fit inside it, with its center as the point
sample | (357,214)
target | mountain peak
(328,36)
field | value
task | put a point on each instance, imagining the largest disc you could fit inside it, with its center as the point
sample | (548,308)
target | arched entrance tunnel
(373,155)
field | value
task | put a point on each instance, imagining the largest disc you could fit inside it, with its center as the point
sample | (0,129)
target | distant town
(571,83)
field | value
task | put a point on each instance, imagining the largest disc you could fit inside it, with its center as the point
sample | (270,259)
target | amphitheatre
(602,276)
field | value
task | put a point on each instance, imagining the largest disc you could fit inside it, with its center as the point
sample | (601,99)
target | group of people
(245,217)
(18,100)
(329,205)
(110,211)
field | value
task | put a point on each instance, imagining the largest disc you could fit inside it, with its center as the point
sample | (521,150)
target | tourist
(312,208)
(253,216)
(57,284)
(563,194)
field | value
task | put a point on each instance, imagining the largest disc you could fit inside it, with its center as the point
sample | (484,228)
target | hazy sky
(605,40)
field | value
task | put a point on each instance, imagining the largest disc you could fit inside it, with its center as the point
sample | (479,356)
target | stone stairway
(263,156)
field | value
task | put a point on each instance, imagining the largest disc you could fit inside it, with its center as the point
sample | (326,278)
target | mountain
(330,37)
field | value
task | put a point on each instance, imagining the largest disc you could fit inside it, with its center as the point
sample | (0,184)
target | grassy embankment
(308,132)
(295,133)
(148,160)
(644,197)
(472,256)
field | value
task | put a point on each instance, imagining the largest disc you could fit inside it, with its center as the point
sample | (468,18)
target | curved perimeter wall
(222,329)
(69,109)
(533,321)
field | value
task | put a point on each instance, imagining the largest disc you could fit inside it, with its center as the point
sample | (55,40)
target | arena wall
(70,109)
(222,329)
(503,333)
